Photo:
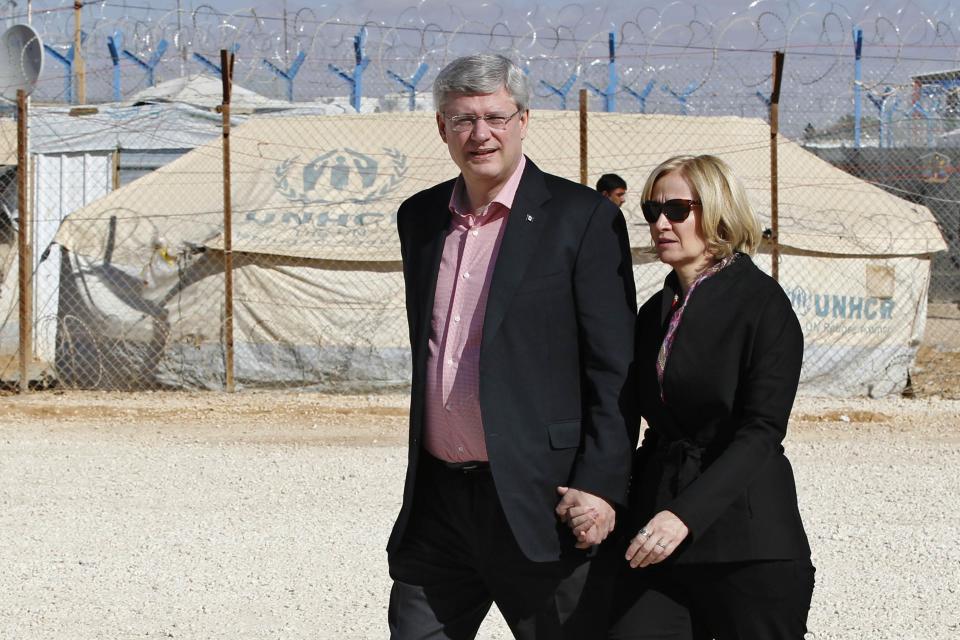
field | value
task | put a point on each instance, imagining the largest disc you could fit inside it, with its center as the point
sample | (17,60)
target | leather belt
(470,466)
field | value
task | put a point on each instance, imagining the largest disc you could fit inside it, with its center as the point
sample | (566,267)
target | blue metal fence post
(857,85)
(887,109)
(884,115)
(610,94)
(355,79)
(115,44)
(287,75)
(611,97)
(411,84)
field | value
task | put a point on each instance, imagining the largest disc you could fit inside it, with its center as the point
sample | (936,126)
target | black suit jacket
(555,352)
(712,453)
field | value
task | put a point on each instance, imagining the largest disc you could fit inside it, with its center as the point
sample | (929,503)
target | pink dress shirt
(453,426)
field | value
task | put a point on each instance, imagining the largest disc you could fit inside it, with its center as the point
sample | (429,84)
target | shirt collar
(504,197)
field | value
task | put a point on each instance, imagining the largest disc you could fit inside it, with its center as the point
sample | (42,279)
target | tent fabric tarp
(319,295)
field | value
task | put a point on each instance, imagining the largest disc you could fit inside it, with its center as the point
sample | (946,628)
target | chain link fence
(130,257)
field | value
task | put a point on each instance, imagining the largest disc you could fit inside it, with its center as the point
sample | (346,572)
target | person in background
(520,303)
(720,550)
(612,186)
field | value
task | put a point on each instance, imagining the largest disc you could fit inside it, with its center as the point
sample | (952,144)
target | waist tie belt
(680,461)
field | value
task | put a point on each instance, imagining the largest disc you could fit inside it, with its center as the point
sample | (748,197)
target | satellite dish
(21,60)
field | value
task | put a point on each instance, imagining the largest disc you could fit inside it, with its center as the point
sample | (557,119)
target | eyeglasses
(676,210)
(498,121)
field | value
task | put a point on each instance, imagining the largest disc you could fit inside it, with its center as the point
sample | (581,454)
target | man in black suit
(521,306)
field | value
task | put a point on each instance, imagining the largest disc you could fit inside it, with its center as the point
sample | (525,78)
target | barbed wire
(682,48)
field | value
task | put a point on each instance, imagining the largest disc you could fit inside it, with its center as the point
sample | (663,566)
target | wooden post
(583,136)
(24,246)
(116,169)
(226,74)
(79,67)
(774,171)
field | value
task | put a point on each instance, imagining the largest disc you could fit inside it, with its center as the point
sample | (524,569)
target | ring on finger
(643,532)
(661,545)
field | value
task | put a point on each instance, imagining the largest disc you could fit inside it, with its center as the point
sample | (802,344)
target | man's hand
(590,517)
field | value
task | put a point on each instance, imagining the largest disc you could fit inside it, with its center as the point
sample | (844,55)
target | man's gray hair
(481,73)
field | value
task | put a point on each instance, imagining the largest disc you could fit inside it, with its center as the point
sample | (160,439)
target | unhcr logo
(341,175)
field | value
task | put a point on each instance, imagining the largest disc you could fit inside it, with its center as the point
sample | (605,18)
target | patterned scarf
(678,314)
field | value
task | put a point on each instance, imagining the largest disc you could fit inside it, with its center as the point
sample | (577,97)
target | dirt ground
(936,373)
(264,515)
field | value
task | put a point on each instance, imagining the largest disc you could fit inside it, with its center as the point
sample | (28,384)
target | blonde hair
(727,221)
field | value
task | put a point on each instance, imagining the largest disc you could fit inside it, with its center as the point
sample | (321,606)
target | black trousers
(459,556)
(759,600)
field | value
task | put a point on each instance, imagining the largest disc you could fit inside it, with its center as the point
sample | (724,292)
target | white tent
(205,92)
(319,294)
(78,156)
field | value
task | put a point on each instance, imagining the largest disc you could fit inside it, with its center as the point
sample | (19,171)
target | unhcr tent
(318,289)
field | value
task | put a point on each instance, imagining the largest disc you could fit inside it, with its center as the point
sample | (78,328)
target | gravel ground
(264,515)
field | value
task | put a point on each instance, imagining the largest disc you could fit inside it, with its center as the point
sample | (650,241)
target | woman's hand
(657,540)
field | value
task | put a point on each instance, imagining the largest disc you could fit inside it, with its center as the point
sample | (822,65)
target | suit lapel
(434,227)
(525,226)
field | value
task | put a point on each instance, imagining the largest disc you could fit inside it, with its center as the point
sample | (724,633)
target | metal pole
(583,136)
(286,47)
(610,97)
(226,64)
(774,170)
(79,67)
(857,85)
(24,246)
(182,46)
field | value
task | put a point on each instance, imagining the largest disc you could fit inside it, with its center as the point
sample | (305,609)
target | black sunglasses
(676,210)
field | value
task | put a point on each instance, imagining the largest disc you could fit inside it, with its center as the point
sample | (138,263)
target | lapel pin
(529,218)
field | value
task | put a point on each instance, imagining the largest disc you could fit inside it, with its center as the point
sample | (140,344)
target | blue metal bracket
(212,66)
(411,84)
(289,75)
(681,97)
(641,96)
(67,62)
(150,65)
(561,91)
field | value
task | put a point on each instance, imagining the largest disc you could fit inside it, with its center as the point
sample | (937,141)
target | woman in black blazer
(719,551)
